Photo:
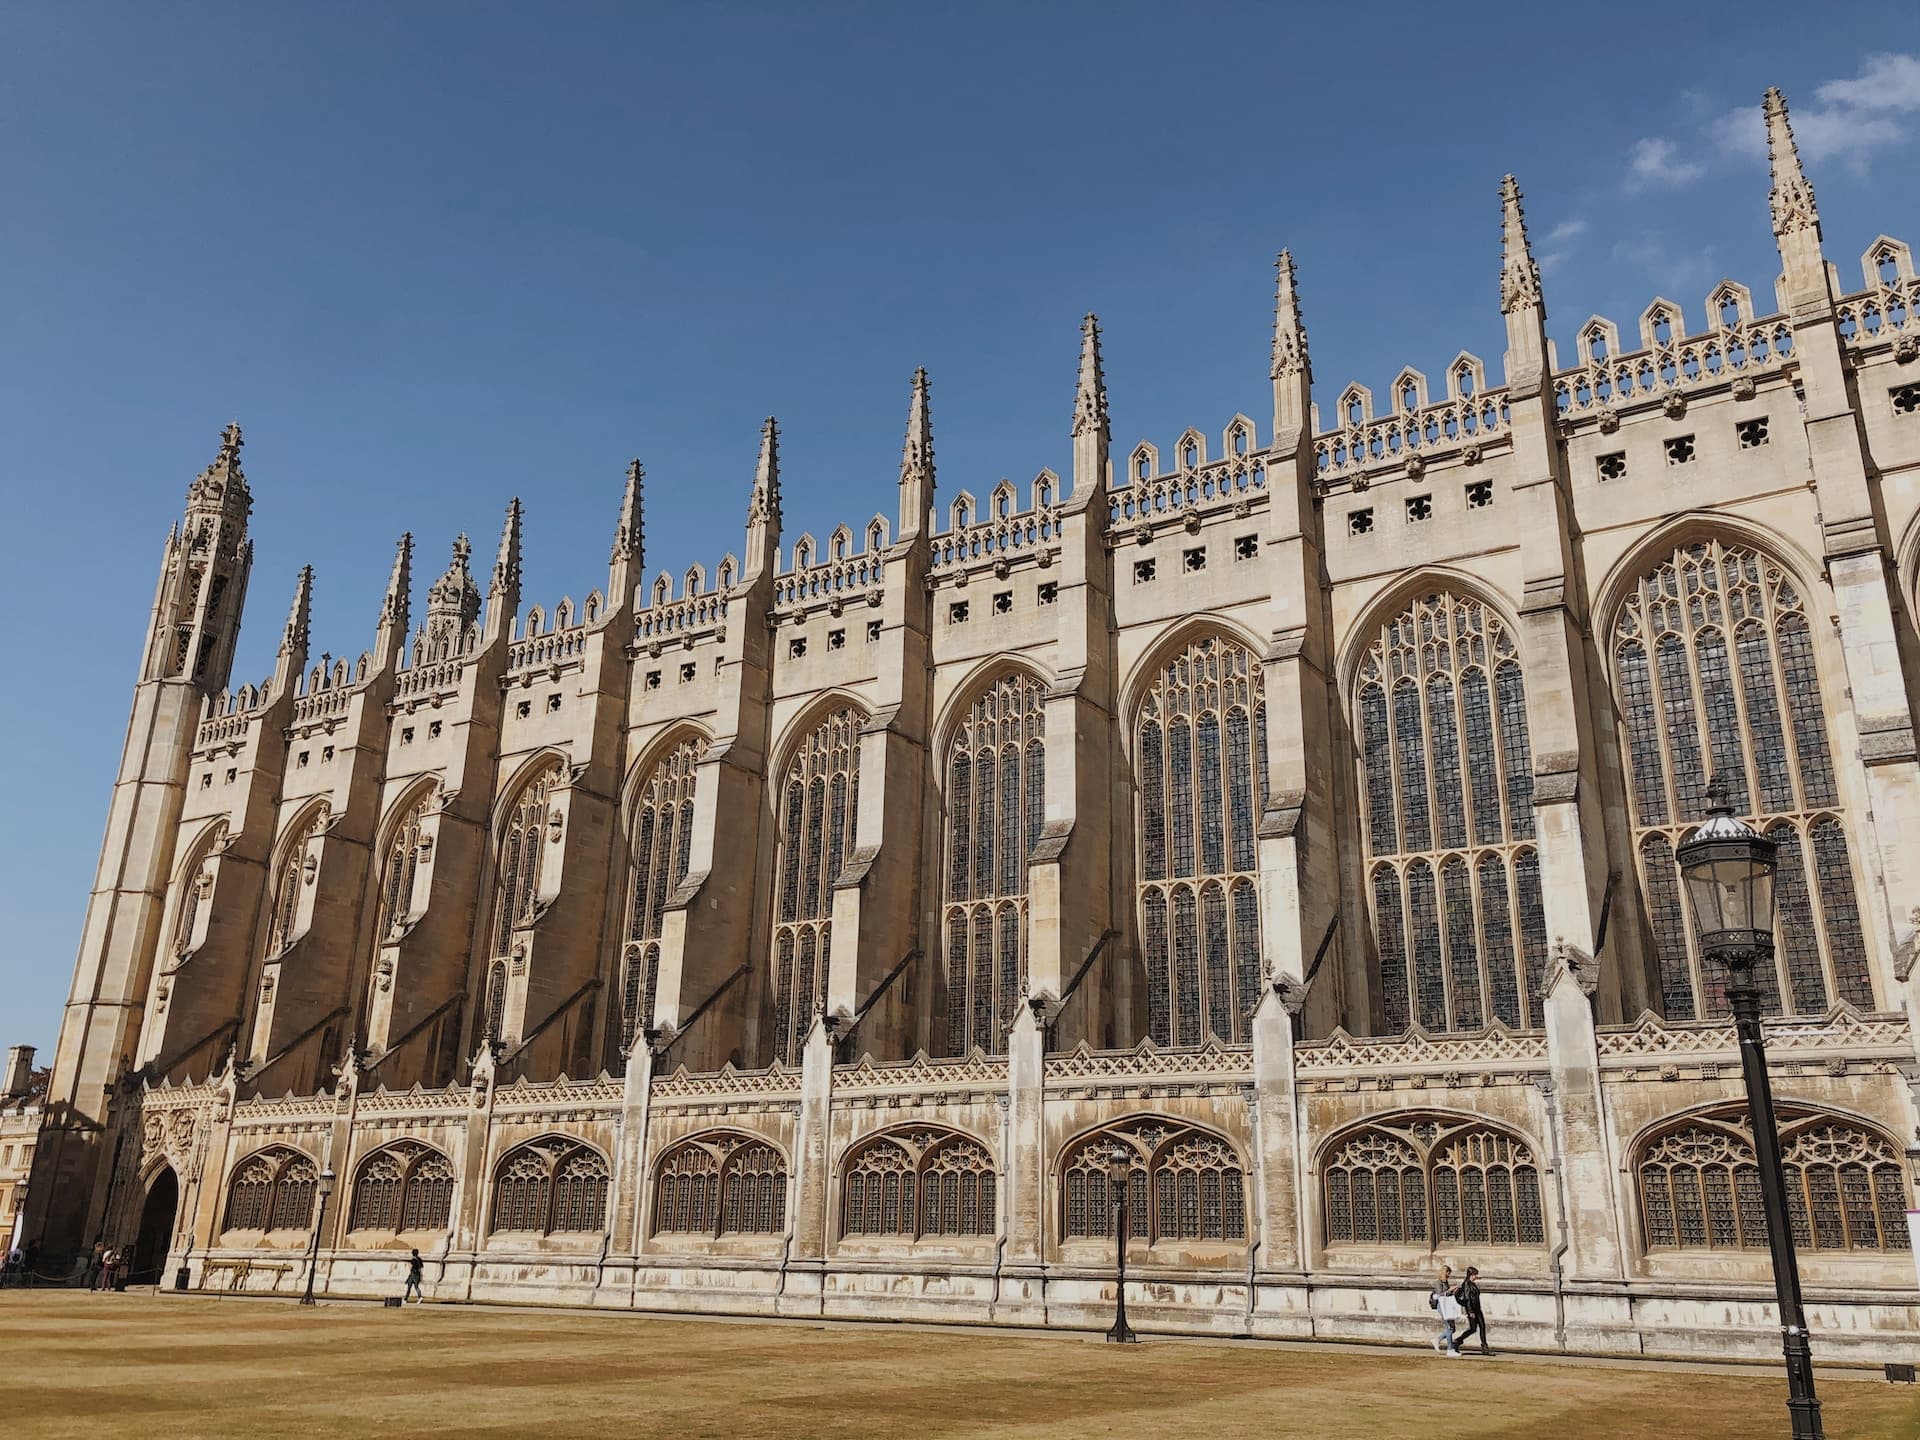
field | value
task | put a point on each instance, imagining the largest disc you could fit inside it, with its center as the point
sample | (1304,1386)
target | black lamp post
(1119,1171)
(1729,870)
(319,1223)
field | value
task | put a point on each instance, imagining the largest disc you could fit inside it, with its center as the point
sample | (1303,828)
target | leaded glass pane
(1186,967)
(1533,932)
(1809,717)
(1462,956)
(1218,961)
(1503,969)
(1247,961)
(1516,752)
(1389,932)
(1762,693)
(1423,927)
(1795,930)
(1153,805)
(1180,806)
(1410,747)
(1450,813)
(1643,736)
(1660,882)
(1242,822)
(1483,760)
(1683,731)
(1153,909)
(1842,913)
(1727,755)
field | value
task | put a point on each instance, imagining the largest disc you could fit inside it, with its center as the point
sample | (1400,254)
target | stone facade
(22,1089)
(805,935)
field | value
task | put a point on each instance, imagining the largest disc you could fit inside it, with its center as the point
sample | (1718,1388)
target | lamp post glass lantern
(319,1223)
(1119,1172)
(1729,871)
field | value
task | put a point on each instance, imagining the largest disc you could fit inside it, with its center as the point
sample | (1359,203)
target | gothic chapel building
(1292,810)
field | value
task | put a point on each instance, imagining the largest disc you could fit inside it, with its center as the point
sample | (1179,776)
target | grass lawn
(147,1367)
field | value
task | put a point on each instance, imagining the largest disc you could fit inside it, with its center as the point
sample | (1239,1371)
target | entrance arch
(155,1236)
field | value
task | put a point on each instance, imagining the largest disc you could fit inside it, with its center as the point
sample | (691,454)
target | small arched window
(720,1184)
(996,804)
(272,1190)
(918,1184)
(196,880)
(518,886)
(1714,668)
(819,798)
(1200,748)
(551,1185)
(289,875)
(405,1186)
(1432,1181)
(1700,1186)
(662,841)
(1447,779)
(1186,1184)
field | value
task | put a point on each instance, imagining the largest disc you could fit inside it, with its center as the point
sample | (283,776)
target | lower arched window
(919,1183)
(720,1184)
(1700,1186)
(1431,1181)
(403,1186)
(272,1190)
(550,1185)
(1184,1184)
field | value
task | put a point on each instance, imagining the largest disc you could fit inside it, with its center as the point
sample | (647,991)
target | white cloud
(1657,161)
(1557,244)
(1687,272)
(1847,121)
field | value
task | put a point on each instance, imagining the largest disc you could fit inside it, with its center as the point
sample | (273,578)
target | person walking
(1470,1304)
(1447,1307)
(109,1262)
(415,1268)
(90,1280)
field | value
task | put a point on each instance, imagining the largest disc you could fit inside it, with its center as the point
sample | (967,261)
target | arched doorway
(156,1229)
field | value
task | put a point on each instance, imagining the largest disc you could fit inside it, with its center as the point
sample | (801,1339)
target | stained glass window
(1186,1185)
(1202,772)
(1430,1181)
(662,831)
(822,789)
(919,1183)
(517,887)
(288,880)
(1750,710)
(549,1185)
(1700,1186)
(405,1186)
(1449,787)
(272,1190)
(996,803)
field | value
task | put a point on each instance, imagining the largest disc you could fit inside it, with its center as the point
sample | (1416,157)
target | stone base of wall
(1867,1327)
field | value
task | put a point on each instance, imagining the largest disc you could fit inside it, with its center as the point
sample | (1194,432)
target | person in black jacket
(1468,1294)
(415,1269)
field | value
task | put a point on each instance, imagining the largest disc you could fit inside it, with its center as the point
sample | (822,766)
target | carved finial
(506,564)
(394,607)
(630,535)
(223,484)
(454,601)
(230,443)
(1519,274)
(765,504)
(300,617)
(1090,395)
(1289,331)
(916,460)
(1792,195)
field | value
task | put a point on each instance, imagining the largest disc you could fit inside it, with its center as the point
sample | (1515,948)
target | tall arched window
(1185,1184)
(662,838)
(272,1190)
(996,803)
(1714,664)
(1200,763)
(1700,1186)
(399,865)
(517,886)
(724,1183)
(404,1186)
(551,1184)
(1430,1182)
(288,876)
(196,880)
(818,800)
(914,1184)
(1448,778)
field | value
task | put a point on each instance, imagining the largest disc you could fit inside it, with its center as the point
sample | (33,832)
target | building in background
(22,1090)
(1291,809)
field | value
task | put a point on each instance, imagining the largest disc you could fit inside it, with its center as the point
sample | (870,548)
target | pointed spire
(395,606)
(916,460)
(765,504)
(1792,195)
(1519,274)
(630,534)
(1090,394)
(1289,332)
(222,486)
(506,564)
(293,640)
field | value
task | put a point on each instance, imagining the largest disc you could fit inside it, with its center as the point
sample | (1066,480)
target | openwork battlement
(1735,345)
(1888,309)
(982,537)
(1193,483)
(1415,426)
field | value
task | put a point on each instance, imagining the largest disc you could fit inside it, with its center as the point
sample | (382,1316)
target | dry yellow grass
(154,1367)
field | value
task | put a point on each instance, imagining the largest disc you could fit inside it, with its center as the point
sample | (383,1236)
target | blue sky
(436,255)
